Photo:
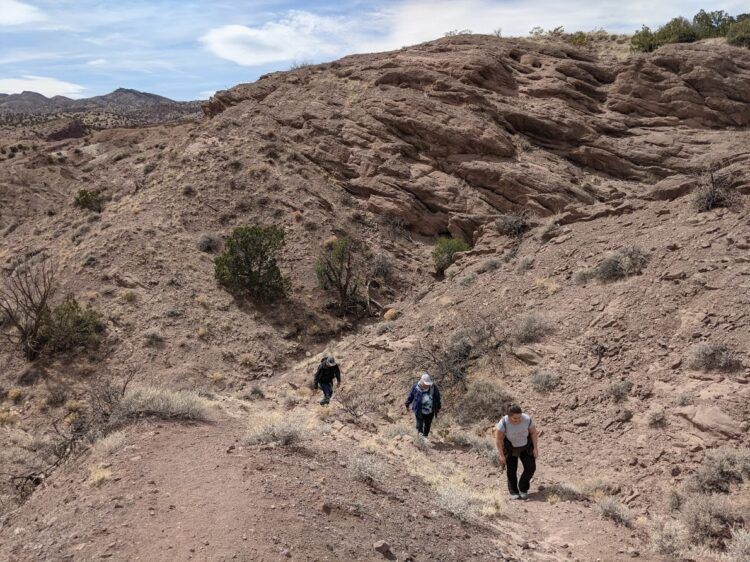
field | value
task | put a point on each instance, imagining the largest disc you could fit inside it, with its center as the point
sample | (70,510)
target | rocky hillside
(30,111)
(453,137)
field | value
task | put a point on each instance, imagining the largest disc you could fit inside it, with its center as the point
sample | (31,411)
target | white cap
(425,379)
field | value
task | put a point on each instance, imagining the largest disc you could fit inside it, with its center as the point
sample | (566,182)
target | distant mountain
(122,100)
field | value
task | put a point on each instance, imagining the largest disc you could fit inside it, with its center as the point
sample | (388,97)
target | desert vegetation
(444,252)
(248,265)
(704,25)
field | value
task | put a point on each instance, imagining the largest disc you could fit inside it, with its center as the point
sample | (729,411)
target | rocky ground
(393,149)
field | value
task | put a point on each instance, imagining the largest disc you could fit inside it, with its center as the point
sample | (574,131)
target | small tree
(643,41)
(340,270)
(24,307)
(739,33)
(90,200)
(712,24)
(248,264)
(677,30)
(445,249)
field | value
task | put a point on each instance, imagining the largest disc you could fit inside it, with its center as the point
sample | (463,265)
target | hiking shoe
(515,496)
(523,495)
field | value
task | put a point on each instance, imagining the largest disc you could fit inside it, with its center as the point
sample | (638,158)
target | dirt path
(193,492)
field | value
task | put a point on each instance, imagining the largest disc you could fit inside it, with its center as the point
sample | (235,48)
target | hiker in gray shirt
(516,438)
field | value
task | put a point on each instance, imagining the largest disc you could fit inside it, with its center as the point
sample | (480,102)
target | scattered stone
(385,549)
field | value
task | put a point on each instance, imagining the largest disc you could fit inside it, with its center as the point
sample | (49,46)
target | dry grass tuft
(99,476)
(367,469)
(284,431)
(109,444)
(612,509)
(165,404)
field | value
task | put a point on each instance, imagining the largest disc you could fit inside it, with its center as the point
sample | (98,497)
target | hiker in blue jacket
(424,400)
(516,438)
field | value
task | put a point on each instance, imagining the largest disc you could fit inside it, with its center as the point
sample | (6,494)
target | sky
(188,49)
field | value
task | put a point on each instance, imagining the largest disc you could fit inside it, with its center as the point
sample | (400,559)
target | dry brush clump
(483,400)
(619,265)
(710,519)
(544,381)
(513,225)
(483,446)
(721,468)
(531,328)
(668,537)
(458,501)
(619,390)
(448,361)
(708,357)
(713,192)
(367,469)
(738,549)
(614,510)
(285,431)
(164,404)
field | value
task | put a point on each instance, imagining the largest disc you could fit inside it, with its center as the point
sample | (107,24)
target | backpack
(426,407)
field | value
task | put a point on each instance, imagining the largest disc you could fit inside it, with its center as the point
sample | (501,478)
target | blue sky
(190,48)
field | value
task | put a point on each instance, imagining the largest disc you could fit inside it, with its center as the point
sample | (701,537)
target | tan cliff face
(394,149)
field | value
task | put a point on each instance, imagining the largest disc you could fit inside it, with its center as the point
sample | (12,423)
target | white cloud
(13,12)
(46,86)
(206,94)
(97,62)
(300,35)
(297,35)
(415,21)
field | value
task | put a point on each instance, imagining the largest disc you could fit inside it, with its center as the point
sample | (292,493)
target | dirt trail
(193,492)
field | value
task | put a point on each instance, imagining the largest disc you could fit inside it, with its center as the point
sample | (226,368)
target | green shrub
(90,200)
(643,41)
(677,30)
(483,400)
(739,34)
(248,263)
(445,249)
(70,326)
(579,39)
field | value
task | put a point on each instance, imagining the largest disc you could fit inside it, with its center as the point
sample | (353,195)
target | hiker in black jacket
(327,371)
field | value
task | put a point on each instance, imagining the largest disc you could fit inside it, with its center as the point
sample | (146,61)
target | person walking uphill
(327,371)
(424,400)
(516,438)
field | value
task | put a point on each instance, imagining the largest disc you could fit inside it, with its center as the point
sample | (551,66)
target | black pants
(424,421)
(327,388)
(511,468)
